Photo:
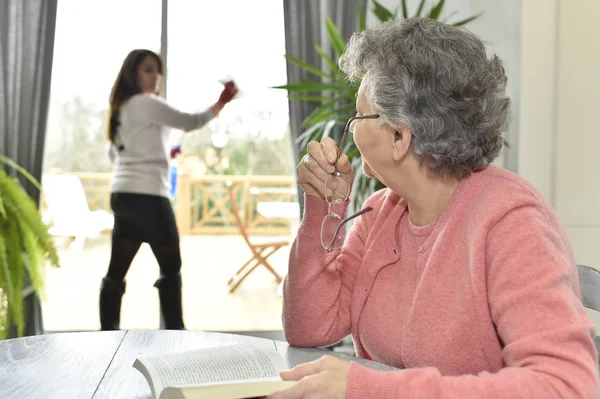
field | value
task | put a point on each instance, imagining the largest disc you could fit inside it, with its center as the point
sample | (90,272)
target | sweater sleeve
(534,302)
(154,109)
(318,287)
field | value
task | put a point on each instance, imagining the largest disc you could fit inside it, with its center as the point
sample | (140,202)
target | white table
(99,364)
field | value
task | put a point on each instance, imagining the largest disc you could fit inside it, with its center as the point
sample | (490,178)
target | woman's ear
(401,143)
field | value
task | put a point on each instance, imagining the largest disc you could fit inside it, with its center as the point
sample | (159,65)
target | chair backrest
(589,282)
(65,197)
(589,285)
(236,214)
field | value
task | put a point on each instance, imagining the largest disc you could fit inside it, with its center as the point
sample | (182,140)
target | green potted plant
(25,246)
(335,97)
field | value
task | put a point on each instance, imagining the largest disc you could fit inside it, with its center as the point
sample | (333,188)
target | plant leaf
(404,10)
(382,13)
(308,132)
(361,18)
(335,69)
(307,67)
(5,276)
(324,108)
(308,98)
(467,20)
(328,126)
(420,8)
(2,210)
(436,10)
(6,160)
(311,86)
(337,41)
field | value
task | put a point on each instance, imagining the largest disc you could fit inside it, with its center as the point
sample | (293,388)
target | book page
(210,365)
(233,390)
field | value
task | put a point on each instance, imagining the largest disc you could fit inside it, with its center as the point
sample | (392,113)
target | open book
(224,372)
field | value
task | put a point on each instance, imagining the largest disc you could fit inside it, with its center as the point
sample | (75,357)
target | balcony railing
(202,205)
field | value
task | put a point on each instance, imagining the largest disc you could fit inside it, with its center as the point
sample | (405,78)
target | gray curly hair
(436,80)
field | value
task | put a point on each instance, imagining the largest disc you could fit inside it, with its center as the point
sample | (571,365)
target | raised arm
(548,338)
(152,108)
(318,287)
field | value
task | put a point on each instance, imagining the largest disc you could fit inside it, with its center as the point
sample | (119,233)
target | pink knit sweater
(495,310)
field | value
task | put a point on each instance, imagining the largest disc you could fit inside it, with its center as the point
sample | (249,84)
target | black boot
(111,293)
(169,293)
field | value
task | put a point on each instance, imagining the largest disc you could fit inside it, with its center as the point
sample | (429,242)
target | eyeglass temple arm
(343,222)
(347,128)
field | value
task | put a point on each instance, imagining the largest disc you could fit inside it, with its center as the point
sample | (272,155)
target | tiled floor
(208,262)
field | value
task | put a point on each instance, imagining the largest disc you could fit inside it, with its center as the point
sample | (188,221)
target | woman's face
(148,75)
(371,139)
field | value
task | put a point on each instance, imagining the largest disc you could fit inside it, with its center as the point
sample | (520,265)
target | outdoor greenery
(334,97)
(25,246)
(76,143)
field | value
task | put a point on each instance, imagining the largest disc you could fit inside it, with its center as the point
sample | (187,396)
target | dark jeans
(143,218)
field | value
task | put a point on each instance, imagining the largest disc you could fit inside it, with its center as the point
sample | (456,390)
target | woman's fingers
(343,164)
(330,149)
(315,150)
(318,167)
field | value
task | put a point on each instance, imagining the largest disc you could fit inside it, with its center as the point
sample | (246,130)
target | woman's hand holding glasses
(325,172)
(322,167)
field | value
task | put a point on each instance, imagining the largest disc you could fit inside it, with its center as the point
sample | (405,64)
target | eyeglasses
(337,191)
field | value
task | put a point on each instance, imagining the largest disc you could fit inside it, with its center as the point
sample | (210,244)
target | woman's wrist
(217,107)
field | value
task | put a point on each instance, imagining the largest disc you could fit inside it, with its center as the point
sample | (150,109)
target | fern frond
(5,275)
(29,214)
(2,210)
(7,161)
(35,267)
(25,244)
(3,315)
(16,267)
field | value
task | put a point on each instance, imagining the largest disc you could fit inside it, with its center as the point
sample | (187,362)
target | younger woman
(139,130)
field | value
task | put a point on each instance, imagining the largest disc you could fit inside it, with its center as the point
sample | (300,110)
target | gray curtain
(305,28)
(26,50)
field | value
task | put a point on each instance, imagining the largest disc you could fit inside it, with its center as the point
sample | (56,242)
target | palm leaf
(420,8)
(307,67)
(306,135)
(308,98)
(467,20)
(328,126)
(382,13)
(436,11)
(337,41)
(404,9)
(361,21)
(325,107)
(335,69)
(311,87)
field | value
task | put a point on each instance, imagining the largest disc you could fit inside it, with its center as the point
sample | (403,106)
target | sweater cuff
(315,210)
(365,383)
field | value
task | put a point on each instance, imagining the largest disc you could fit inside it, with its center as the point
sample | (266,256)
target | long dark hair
(126,86)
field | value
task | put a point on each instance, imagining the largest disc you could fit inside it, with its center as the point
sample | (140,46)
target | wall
(560,100)
(500,28)
(551,52)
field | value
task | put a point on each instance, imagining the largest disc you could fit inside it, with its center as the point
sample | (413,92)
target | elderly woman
(459,273)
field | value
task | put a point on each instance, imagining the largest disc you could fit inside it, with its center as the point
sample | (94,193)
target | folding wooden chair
(260,252)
